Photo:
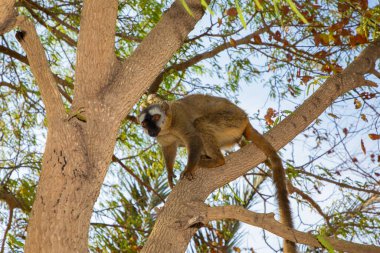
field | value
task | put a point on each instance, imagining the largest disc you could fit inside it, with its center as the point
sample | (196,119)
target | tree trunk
(63,205)
(69,186)
(78,153)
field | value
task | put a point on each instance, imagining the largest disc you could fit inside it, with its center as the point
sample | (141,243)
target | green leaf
(240,13)
(325,243)
(296,11)
(276,10)
(206,6)
(235,195)
(308,89)
(14,242)
(187,8)
(276,4)
(258,4)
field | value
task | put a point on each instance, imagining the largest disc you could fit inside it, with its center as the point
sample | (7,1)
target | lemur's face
(151,119)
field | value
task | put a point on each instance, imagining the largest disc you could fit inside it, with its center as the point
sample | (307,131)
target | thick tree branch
(153,53)
(209,54)
(237,164)
(51,97)
(7,15)
(267,222)
(335,86)
(96,47)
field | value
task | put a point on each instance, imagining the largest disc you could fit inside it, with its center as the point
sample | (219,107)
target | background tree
(75,94)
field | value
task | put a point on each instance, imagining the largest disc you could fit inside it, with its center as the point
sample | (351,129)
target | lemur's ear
(150,100)
(154,99)
(164,106)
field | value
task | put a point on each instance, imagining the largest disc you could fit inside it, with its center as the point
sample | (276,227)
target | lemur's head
(153,118)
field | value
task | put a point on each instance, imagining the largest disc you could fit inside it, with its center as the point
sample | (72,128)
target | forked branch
(28,38)
(153,53)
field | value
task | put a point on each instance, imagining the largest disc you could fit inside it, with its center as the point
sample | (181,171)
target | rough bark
(77,153)
(7,15)
(96,49)
(62,209)
(28,38)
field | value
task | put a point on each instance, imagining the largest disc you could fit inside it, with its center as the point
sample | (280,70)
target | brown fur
(207,124)
(279,179)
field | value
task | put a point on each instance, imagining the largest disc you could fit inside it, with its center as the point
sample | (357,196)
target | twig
(206,55)
(9,224)
(337,183)
(115,159)
(292,189)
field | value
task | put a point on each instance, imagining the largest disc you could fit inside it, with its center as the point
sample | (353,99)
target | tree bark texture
(77,153)
(172,233)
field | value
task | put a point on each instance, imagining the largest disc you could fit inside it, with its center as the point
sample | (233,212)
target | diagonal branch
(24,59)
(51,97)
(375,72)
(207,180)
(153,53)
(96,47)
(335,86)
(267,222)
(209,54)
(128,37)
(14,54)
(340,184)
(50,13)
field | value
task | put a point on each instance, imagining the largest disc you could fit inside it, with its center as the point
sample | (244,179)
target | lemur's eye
(156,117)
(143,124)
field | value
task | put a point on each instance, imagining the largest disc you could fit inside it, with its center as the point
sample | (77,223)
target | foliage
(264,44)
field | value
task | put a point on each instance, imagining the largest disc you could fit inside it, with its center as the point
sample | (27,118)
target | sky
(254,97)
